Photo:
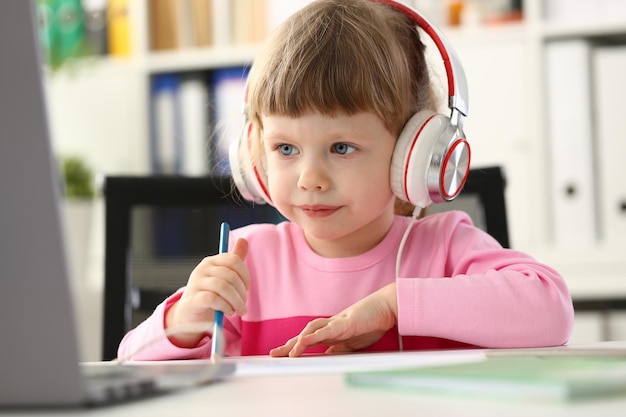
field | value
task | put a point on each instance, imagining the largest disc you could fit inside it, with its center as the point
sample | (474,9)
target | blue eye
(343,148)
(286,150)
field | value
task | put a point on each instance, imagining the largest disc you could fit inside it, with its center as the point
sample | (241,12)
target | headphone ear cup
(412,154)
(249,179)
(431,160)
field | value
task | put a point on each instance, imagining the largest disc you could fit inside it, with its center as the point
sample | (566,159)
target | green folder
(524,378)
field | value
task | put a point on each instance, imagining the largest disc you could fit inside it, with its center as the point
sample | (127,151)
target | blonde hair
(341,57)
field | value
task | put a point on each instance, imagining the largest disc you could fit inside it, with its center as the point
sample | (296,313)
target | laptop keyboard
(114,384)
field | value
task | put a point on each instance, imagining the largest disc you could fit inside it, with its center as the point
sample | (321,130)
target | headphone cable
(399,257)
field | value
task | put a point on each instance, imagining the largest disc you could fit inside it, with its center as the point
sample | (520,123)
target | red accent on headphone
(257,174)
(423,24)
(442,185)
(409,157)
(262,184)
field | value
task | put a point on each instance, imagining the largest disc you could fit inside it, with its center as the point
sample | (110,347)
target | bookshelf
(200,59)
(507,124)
(595,269)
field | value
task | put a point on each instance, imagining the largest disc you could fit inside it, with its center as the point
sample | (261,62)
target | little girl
(327,100)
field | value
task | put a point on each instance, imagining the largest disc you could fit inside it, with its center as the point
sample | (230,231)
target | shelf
(487,34)
(615,29)
(507,32)
(195,59)
(95,66)
(180,60)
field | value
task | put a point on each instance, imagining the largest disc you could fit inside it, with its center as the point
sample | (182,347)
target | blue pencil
(217,344)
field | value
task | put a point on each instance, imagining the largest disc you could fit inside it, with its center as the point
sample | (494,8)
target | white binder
(568,70)
(194,98)
(609,94)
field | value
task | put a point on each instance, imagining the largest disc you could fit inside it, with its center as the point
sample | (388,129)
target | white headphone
(431,159)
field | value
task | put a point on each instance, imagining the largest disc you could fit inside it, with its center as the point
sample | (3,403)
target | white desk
(327,394)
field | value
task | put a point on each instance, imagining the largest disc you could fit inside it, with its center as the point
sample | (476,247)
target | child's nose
(313,176)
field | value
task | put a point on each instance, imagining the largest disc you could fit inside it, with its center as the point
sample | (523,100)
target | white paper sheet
(330,364)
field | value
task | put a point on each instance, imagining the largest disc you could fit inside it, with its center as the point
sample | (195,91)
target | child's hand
(219,282)
(357,327)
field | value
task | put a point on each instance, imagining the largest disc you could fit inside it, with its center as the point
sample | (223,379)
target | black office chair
(158,228)
(484,200)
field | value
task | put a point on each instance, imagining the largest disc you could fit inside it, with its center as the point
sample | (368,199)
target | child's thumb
(240,248)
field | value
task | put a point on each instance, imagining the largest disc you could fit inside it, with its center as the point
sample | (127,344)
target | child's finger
(241,248)
(315,333)
(284,349)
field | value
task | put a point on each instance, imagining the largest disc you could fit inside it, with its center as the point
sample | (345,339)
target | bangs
(323,70)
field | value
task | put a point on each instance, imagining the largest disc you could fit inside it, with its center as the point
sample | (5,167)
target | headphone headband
(457,82)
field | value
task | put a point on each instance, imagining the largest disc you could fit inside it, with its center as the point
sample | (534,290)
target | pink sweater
(457,287)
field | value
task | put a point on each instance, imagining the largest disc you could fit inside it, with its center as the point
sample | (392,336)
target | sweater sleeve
(148,341)
(476,292)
